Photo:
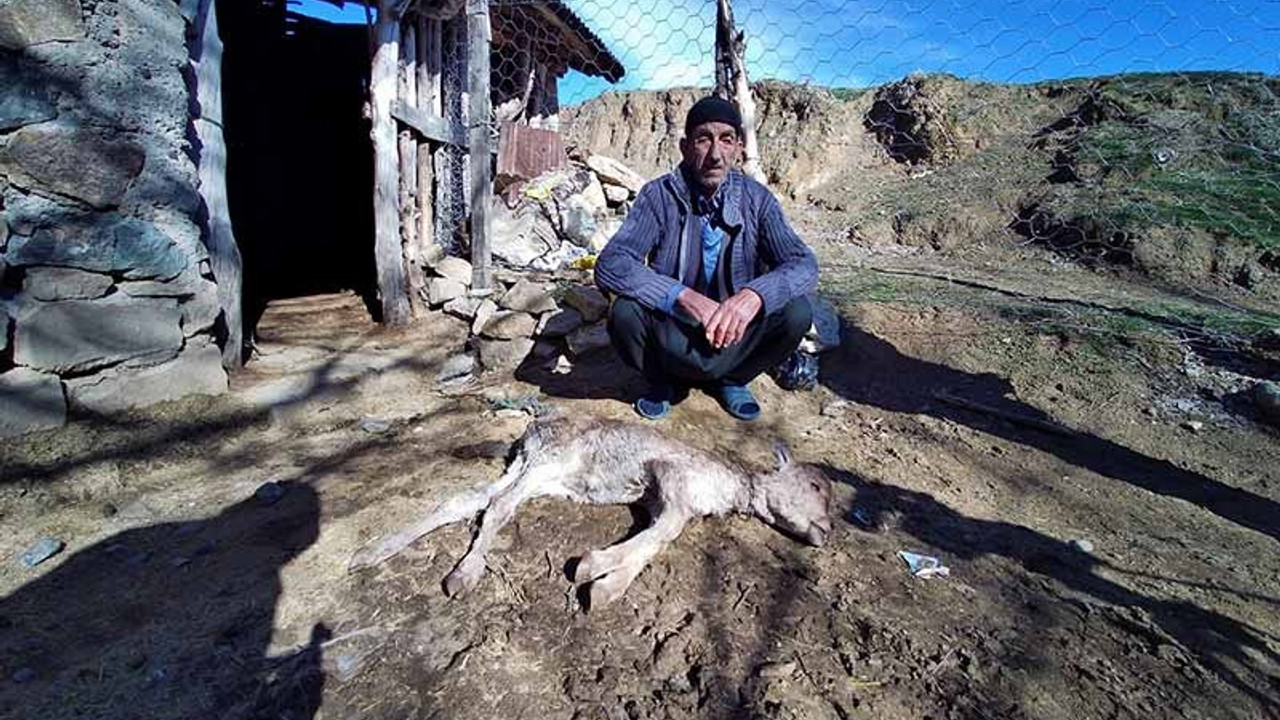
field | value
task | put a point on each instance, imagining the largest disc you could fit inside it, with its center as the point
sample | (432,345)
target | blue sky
(857,43)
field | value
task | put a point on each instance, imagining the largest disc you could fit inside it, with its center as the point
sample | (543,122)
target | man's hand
(700,307)
(729,322)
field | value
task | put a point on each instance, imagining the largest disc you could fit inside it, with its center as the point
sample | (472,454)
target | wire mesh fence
(1139,133)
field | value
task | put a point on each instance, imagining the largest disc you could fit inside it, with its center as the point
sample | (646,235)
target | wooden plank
(386,182)
(224,254)
(409,213)
(478,39)
(407,72)
(426,198)
(407,93)
(430,127)
(434,65)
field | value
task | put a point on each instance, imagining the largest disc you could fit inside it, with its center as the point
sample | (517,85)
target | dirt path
(1130,571)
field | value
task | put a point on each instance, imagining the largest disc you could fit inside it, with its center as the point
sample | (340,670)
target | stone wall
(106,297)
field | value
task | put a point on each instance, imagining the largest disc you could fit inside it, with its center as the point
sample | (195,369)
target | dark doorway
(299,159)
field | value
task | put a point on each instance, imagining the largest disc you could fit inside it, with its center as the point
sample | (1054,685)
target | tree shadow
(870,371)
(1225,646)
(167,621)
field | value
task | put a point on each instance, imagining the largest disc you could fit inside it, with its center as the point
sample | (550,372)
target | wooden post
(428,91)
(386,180)
(478,39)
(224,254)
(407,90)
(732,84)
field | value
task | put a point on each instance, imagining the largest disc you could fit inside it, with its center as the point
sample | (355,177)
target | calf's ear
(782,453)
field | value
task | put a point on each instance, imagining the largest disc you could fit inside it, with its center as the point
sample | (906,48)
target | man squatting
(709,277)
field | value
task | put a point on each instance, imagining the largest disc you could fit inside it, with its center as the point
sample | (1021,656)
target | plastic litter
(924,566)
(798,372)
(862,517)
(43,549)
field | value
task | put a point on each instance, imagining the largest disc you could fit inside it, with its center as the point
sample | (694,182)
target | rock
(463,307)
(560,324)
(441,290)
(528,297)
(503,355)
(201,311)
(1083,545)
(456,367)
(80,335)
(197,370)
(834,408)
(587,340)
(612,172)
(30,401)
(24,100)
(578,221)
(615,195)
(454,268)
(776,670)
(73,161)
(509,325)
(1193,425)
(588,301)
(56,283)
(824,334)
(604,233)
(132,248)
(269,493)
(374,426)
(1266,396)
(559,258)
(30,22)
(483,313)
(593,195)
(43,549)
(185,285)
(521,236)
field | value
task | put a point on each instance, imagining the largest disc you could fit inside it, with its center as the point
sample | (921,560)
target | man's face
(709,151)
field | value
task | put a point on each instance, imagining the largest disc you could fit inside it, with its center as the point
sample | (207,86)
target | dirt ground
(1124,569)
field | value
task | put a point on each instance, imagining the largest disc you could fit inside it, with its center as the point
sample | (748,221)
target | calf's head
(795,498)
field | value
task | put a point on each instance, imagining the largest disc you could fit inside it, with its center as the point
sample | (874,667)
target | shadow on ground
(171,620)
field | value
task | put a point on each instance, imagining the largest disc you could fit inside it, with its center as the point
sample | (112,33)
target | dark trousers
(676,350)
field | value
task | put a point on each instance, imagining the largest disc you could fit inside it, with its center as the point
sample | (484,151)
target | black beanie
(712,109)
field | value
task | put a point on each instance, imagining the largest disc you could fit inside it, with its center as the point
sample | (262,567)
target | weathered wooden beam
(732,84)
(478,39)
(407,90)
(386,181)
(426,198)
(224,254)
(430,127)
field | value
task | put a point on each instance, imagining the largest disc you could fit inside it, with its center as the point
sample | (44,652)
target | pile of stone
(552,220)
(106,296)
(527,316)
(543,307)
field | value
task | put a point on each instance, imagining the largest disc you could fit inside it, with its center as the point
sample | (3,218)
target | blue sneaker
(738,401)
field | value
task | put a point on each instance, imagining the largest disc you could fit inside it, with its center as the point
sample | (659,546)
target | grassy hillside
(1174,177)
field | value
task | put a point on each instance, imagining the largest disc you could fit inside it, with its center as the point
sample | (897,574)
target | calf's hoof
(604,591)
(462,580)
